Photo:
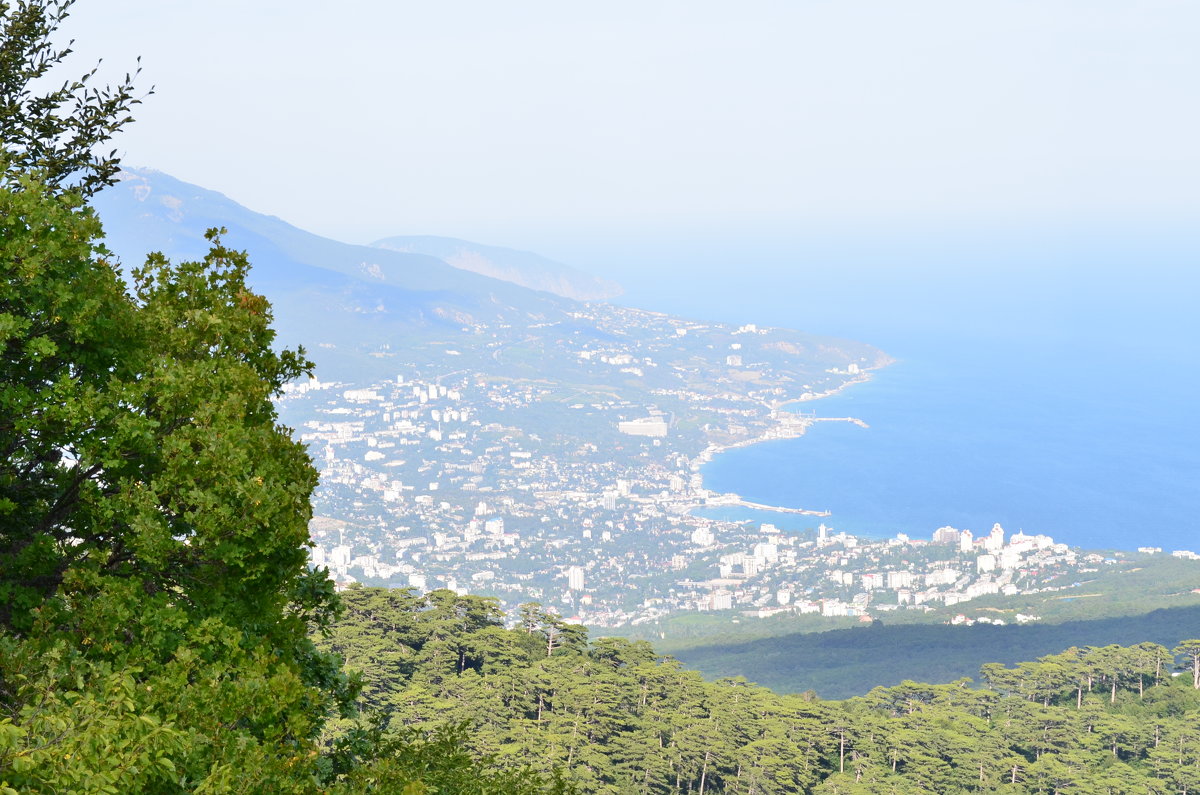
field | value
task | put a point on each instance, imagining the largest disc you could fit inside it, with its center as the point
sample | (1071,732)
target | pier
(779,509)
(854,420)
(735,499)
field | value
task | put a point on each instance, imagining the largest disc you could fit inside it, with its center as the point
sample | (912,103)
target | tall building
(339,557)
(947,536)
(575,578)
(721,599)
(316,556)
(766,553)
(995,539)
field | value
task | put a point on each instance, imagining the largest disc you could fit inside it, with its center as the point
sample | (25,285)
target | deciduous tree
(55,133)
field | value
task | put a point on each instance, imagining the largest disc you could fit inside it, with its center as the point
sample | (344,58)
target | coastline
(787,425)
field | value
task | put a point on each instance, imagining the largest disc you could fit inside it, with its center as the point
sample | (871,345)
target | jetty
(758,506)
(736,499)
(854,420)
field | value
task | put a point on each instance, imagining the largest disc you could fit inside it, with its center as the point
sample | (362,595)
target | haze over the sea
(1046,379)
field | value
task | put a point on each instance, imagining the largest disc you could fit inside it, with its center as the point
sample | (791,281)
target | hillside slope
(327,295)
(847,662)
(519,267)
(362,311)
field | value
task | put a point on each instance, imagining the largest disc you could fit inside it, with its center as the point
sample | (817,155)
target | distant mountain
(519,267)
(327,295)
(364,311)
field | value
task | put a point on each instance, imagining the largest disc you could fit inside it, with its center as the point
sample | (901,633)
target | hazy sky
(513,122)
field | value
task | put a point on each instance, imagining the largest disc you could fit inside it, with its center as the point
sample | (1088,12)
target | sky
(563,127)
(1009,188)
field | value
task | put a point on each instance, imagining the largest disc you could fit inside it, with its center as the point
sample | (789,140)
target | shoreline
(787,425)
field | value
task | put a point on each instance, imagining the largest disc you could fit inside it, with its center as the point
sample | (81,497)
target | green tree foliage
(617,718)
(1189,650)
(153,518)
(54,133)
(138,432)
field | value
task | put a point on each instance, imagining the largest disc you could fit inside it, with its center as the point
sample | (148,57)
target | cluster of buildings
(470,483)
(560,463)
(838,575)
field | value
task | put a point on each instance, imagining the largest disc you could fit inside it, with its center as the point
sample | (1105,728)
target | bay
(1046,382)
(990,441)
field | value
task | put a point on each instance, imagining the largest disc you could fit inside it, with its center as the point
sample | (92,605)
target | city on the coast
(593,504)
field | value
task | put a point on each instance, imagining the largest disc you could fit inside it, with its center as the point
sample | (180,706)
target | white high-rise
(995,539)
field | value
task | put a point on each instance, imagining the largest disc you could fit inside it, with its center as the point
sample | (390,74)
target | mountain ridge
(353,307)
(326,294)
(525,268)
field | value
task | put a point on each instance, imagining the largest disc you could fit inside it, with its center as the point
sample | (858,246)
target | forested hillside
(616,718)
(848,662)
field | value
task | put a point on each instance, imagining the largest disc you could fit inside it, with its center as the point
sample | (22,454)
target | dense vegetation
(618,719)
(154,596)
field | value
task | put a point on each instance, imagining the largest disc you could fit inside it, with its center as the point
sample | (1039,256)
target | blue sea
(1048,381)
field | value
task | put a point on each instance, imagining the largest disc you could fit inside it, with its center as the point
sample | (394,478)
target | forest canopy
(613,717)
